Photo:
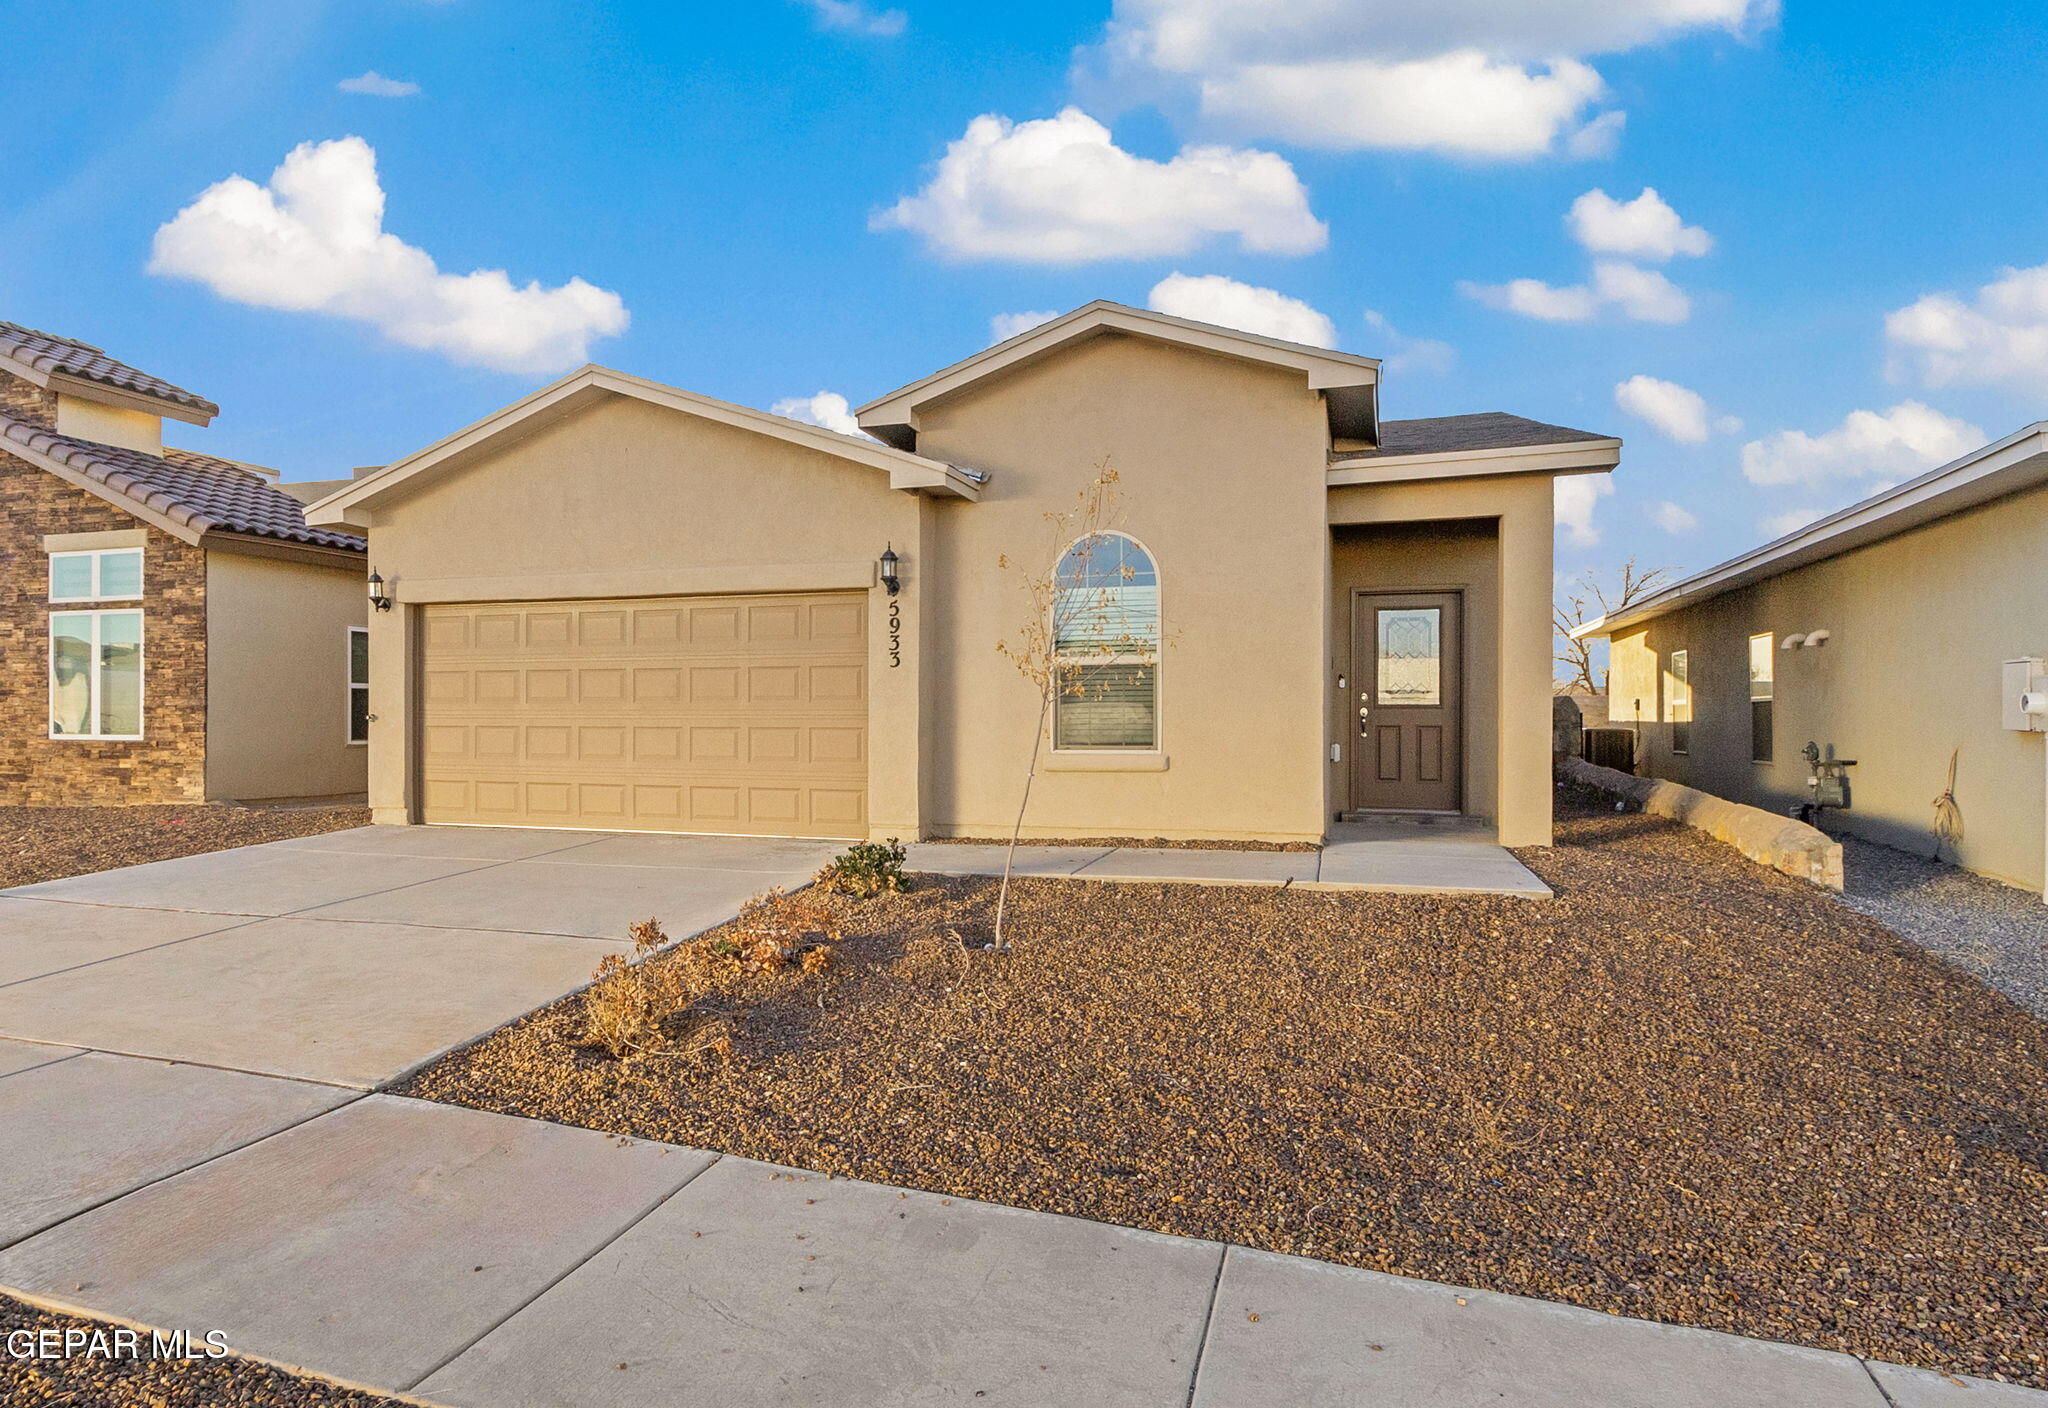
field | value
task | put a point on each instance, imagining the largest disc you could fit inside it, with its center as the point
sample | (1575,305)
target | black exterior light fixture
(890,580)
(379,598)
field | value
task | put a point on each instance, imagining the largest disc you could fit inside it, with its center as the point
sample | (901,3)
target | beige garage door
(741,714)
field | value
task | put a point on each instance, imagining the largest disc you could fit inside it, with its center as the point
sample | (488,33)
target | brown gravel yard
(50,843)
(89,1381)
(1687,1088)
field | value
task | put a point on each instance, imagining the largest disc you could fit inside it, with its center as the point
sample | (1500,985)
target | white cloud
(1004,326)
(827,409)
(1461,103)
(1399,353)
(1574,497)
(1675,519)
(1598,139)
(1880,446)
(1058,190)
(313,241)
(1643,228)
(1678,411)
(1641,294)
(374,84)
(856,18)
(1998,339)
(1211,298)
(1777,525)
(1480,78)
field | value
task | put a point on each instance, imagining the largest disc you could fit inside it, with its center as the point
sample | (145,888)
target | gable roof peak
(1347,381)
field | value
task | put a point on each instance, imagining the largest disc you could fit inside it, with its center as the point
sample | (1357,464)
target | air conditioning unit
(2024,699)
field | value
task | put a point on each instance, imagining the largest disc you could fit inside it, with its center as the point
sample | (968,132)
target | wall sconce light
(890,580)
(1793,642)
(379,597)
(1814,638)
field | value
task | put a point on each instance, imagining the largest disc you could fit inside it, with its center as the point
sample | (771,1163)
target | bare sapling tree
(1588,597)
(1088,628)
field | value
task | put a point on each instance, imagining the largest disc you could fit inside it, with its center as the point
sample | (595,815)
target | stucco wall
(1911,673)
(1220,477)
(1519,510)
(277,687)
(625,498)
(1457,556)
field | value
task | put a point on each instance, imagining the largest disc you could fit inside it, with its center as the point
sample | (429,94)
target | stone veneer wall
(169,763)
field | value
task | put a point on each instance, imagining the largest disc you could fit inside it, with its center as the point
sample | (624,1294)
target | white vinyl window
(96,674)
(1678,701)
(100,574)
(358,665)
(1106,646)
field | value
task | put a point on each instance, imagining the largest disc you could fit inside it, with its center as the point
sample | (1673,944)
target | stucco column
(393,687)
(1526,530)
(896,635)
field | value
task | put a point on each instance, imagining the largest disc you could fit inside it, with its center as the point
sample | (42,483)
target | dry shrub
(636,1005)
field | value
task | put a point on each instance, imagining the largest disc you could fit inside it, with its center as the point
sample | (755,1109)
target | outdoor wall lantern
(890,580)
(379,598)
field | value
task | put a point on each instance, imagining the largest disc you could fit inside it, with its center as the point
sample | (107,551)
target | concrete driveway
(353,957)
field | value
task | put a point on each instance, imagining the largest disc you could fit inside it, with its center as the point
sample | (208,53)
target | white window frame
(1680,698)
(1151,657)
(97,555)
(141,682)
(1770,658)
(348,673)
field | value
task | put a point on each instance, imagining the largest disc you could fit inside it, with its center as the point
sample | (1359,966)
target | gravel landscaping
(51,843)
(1687,1089)
(90,1381)
(1994,931)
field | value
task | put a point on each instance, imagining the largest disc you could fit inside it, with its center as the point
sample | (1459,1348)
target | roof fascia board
(1323,369)
(127,503)
(2003,467)
(86,389)
(351,506)
(316,554)
(1585,457)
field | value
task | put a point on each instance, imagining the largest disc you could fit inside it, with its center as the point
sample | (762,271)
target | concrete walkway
(1391,857)
(185,1055)
(484,1261)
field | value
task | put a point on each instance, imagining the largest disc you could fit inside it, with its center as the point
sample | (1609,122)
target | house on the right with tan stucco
(1906,633)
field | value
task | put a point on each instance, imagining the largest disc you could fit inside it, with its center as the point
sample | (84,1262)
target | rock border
(1783,844)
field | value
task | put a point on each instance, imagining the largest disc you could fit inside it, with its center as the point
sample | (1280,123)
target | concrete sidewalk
(1393,857)
(484,1261)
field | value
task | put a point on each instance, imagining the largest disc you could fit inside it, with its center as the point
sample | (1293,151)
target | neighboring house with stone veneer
(171,629)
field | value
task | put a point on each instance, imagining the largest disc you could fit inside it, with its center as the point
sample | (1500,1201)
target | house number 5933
(895,635)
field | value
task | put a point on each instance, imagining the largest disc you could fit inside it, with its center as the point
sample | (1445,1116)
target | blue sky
(713,177)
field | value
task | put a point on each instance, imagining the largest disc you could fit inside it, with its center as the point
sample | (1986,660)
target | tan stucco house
(619,605)
(171,627)
(1902,633)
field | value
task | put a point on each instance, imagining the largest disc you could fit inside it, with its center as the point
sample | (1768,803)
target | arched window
(1106,645)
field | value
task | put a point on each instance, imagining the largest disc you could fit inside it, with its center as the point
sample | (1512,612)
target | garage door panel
(744,714)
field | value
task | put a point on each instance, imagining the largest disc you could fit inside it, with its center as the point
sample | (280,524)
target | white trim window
(357,665)
(1106,646)
(96,574)
(96,674)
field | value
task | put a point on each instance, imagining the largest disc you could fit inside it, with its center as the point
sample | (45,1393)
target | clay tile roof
(205,494)
(1488,430)
(47,352)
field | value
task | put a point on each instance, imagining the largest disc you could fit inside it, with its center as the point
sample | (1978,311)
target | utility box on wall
(2024,699)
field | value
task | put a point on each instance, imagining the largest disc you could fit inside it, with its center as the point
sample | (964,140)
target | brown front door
(1407,677)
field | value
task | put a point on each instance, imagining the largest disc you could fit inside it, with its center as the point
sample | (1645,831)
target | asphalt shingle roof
(47,352)
(1488,430)
(199,491)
